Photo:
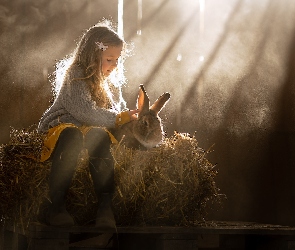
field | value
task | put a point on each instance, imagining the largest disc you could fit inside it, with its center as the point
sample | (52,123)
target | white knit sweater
(74,104)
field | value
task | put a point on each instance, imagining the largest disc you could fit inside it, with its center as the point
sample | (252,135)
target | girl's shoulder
(74,72)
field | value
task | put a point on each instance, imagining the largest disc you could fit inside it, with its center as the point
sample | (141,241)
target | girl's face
(110,59)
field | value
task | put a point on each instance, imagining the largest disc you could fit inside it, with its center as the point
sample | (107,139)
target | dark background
(229,66)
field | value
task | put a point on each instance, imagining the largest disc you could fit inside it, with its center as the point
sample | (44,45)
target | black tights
(65,155)
(101,165)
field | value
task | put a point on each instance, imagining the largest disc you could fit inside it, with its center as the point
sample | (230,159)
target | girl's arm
(76,99)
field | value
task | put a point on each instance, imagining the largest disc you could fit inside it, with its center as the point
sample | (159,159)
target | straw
(170,184)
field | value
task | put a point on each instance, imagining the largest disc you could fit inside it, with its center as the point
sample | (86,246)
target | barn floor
(210,236)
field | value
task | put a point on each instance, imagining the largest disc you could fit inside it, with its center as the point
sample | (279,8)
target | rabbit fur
(147,131)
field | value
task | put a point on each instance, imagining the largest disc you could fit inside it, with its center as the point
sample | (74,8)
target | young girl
(89,99)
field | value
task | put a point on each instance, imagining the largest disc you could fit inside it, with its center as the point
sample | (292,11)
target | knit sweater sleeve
(76,99)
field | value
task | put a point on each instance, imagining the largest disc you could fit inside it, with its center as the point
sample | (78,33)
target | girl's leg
(64,162)
(101,167)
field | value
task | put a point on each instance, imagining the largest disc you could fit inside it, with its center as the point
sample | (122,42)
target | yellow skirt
(53,135)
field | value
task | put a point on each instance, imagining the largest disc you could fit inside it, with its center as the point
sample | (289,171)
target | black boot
(101,168)
(58,215)
(64,162)
(105,216)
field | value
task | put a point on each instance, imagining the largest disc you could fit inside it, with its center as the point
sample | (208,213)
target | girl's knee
(97,141)
(72,136)
(69,144)
(72,132)
(97,135)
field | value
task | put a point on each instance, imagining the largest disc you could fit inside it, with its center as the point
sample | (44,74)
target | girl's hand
(126,116)
(133,114)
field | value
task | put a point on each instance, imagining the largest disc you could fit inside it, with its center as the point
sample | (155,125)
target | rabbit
(147,131)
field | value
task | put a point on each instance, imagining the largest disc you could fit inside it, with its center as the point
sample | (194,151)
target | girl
(87,99)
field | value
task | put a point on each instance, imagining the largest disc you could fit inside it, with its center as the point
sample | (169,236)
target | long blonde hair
(88,57)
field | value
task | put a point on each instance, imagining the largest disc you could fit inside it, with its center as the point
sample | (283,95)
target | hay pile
(23,181)
(167,185)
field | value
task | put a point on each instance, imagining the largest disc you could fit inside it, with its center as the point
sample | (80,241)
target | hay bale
(167,185)
(22,178)
(24,182)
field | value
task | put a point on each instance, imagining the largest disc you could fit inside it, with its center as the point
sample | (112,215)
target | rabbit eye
(145,123)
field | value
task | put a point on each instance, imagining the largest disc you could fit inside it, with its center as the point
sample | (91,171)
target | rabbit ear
(160,103)
(143,101)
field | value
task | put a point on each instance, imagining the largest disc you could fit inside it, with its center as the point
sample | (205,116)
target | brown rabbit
(146,131)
